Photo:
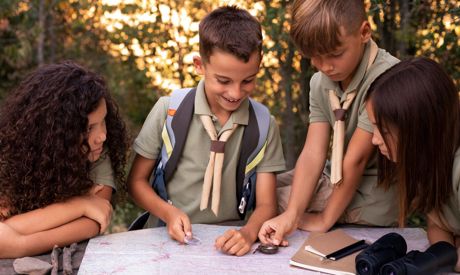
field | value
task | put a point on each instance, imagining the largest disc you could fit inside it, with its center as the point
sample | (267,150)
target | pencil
(347,250)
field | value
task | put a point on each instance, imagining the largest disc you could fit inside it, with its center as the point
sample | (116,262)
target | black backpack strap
(180,125)
(139,222)
(248,145)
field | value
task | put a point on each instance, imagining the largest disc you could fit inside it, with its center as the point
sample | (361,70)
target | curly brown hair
(42,124)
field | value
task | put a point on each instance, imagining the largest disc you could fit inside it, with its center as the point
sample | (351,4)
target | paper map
(151,251)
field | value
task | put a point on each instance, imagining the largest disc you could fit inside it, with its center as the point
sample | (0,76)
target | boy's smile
(228,81)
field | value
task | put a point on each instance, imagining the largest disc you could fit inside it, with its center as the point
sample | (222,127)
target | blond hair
(316,24)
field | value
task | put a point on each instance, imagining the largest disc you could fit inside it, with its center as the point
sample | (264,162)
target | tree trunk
(51,29)
(289,132)
(304,95)
(41,32)
(405,15)
(389,28)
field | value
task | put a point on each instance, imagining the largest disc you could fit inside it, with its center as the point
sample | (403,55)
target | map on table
(151,251)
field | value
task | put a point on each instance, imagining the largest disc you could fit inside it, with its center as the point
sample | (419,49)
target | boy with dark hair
(336,36)
(230,48)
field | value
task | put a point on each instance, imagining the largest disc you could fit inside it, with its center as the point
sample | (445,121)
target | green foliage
(421,28)
(123,214)
(15,44)
(145,48)
(416,220)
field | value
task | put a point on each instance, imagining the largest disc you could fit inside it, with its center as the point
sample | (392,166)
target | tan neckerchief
(339,124)
(213,175)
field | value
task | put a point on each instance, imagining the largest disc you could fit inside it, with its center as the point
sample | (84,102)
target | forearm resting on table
(60,213)
(37,243)
(45,218)
(59,224)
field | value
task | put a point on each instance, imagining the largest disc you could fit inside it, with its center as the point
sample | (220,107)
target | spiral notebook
(326,243)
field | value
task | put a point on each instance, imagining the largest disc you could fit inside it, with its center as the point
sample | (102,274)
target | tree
(423,28)
(145,48)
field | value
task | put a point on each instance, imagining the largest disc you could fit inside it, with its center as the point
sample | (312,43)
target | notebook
(324,244)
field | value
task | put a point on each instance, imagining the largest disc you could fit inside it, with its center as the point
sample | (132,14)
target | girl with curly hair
(415,110)
(63,151)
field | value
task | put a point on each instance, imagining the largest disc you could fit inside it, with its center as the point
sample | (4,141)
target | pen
(347,250)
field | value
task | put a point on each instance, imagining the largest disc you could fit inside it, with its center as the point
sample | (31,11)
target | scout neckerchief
(213,175)
(339,124)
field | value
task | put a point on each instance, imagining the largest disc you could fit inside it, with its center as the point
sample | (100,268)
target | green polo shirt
(185,187)
(374,205)
(101,171)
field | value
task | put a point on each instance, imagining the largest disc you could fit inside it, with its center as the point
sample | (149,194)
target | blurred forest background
(144,48)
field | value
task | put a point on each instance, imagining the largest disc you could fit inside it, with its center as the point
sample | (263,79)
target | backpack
(174,134)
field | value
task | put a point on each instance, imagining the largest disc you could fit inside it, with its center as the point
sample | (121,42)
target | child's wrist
(78,203)
(251,234)
(292,214)
(169,212)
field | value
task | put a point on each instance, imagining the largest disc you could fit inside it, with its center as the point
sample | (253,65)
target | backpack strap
(253,146)
(180,114)
(181,106)
(167,135)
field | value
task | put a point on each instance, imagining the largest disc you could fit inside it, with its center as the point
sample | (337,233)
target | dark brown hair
(315,27)
(42,125)
(232,30)
(418,99)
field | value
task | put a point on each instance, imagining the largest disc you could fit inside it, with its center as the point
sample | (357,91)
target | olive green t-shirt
(101,171)
(185,187)
(451,210)
(374,205)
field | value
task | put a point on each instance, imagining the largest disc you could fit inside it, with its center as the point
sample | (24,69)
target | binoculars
(387,256)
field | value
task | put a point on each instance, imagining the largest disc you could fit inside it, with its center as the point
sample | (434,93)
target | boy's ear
(365,31)
(198,63)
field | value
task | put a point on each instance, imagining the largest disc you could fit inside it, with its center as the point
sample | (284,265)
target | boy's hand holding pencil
(178,223)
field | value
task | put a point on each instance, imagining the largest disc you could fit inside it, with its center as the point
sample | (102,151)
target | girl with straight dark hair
(415,110)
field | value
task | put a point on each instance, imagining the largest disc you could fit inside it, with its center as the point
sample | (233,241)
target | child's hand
(234,242)
(97,209)
(178,225)
(274,230)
